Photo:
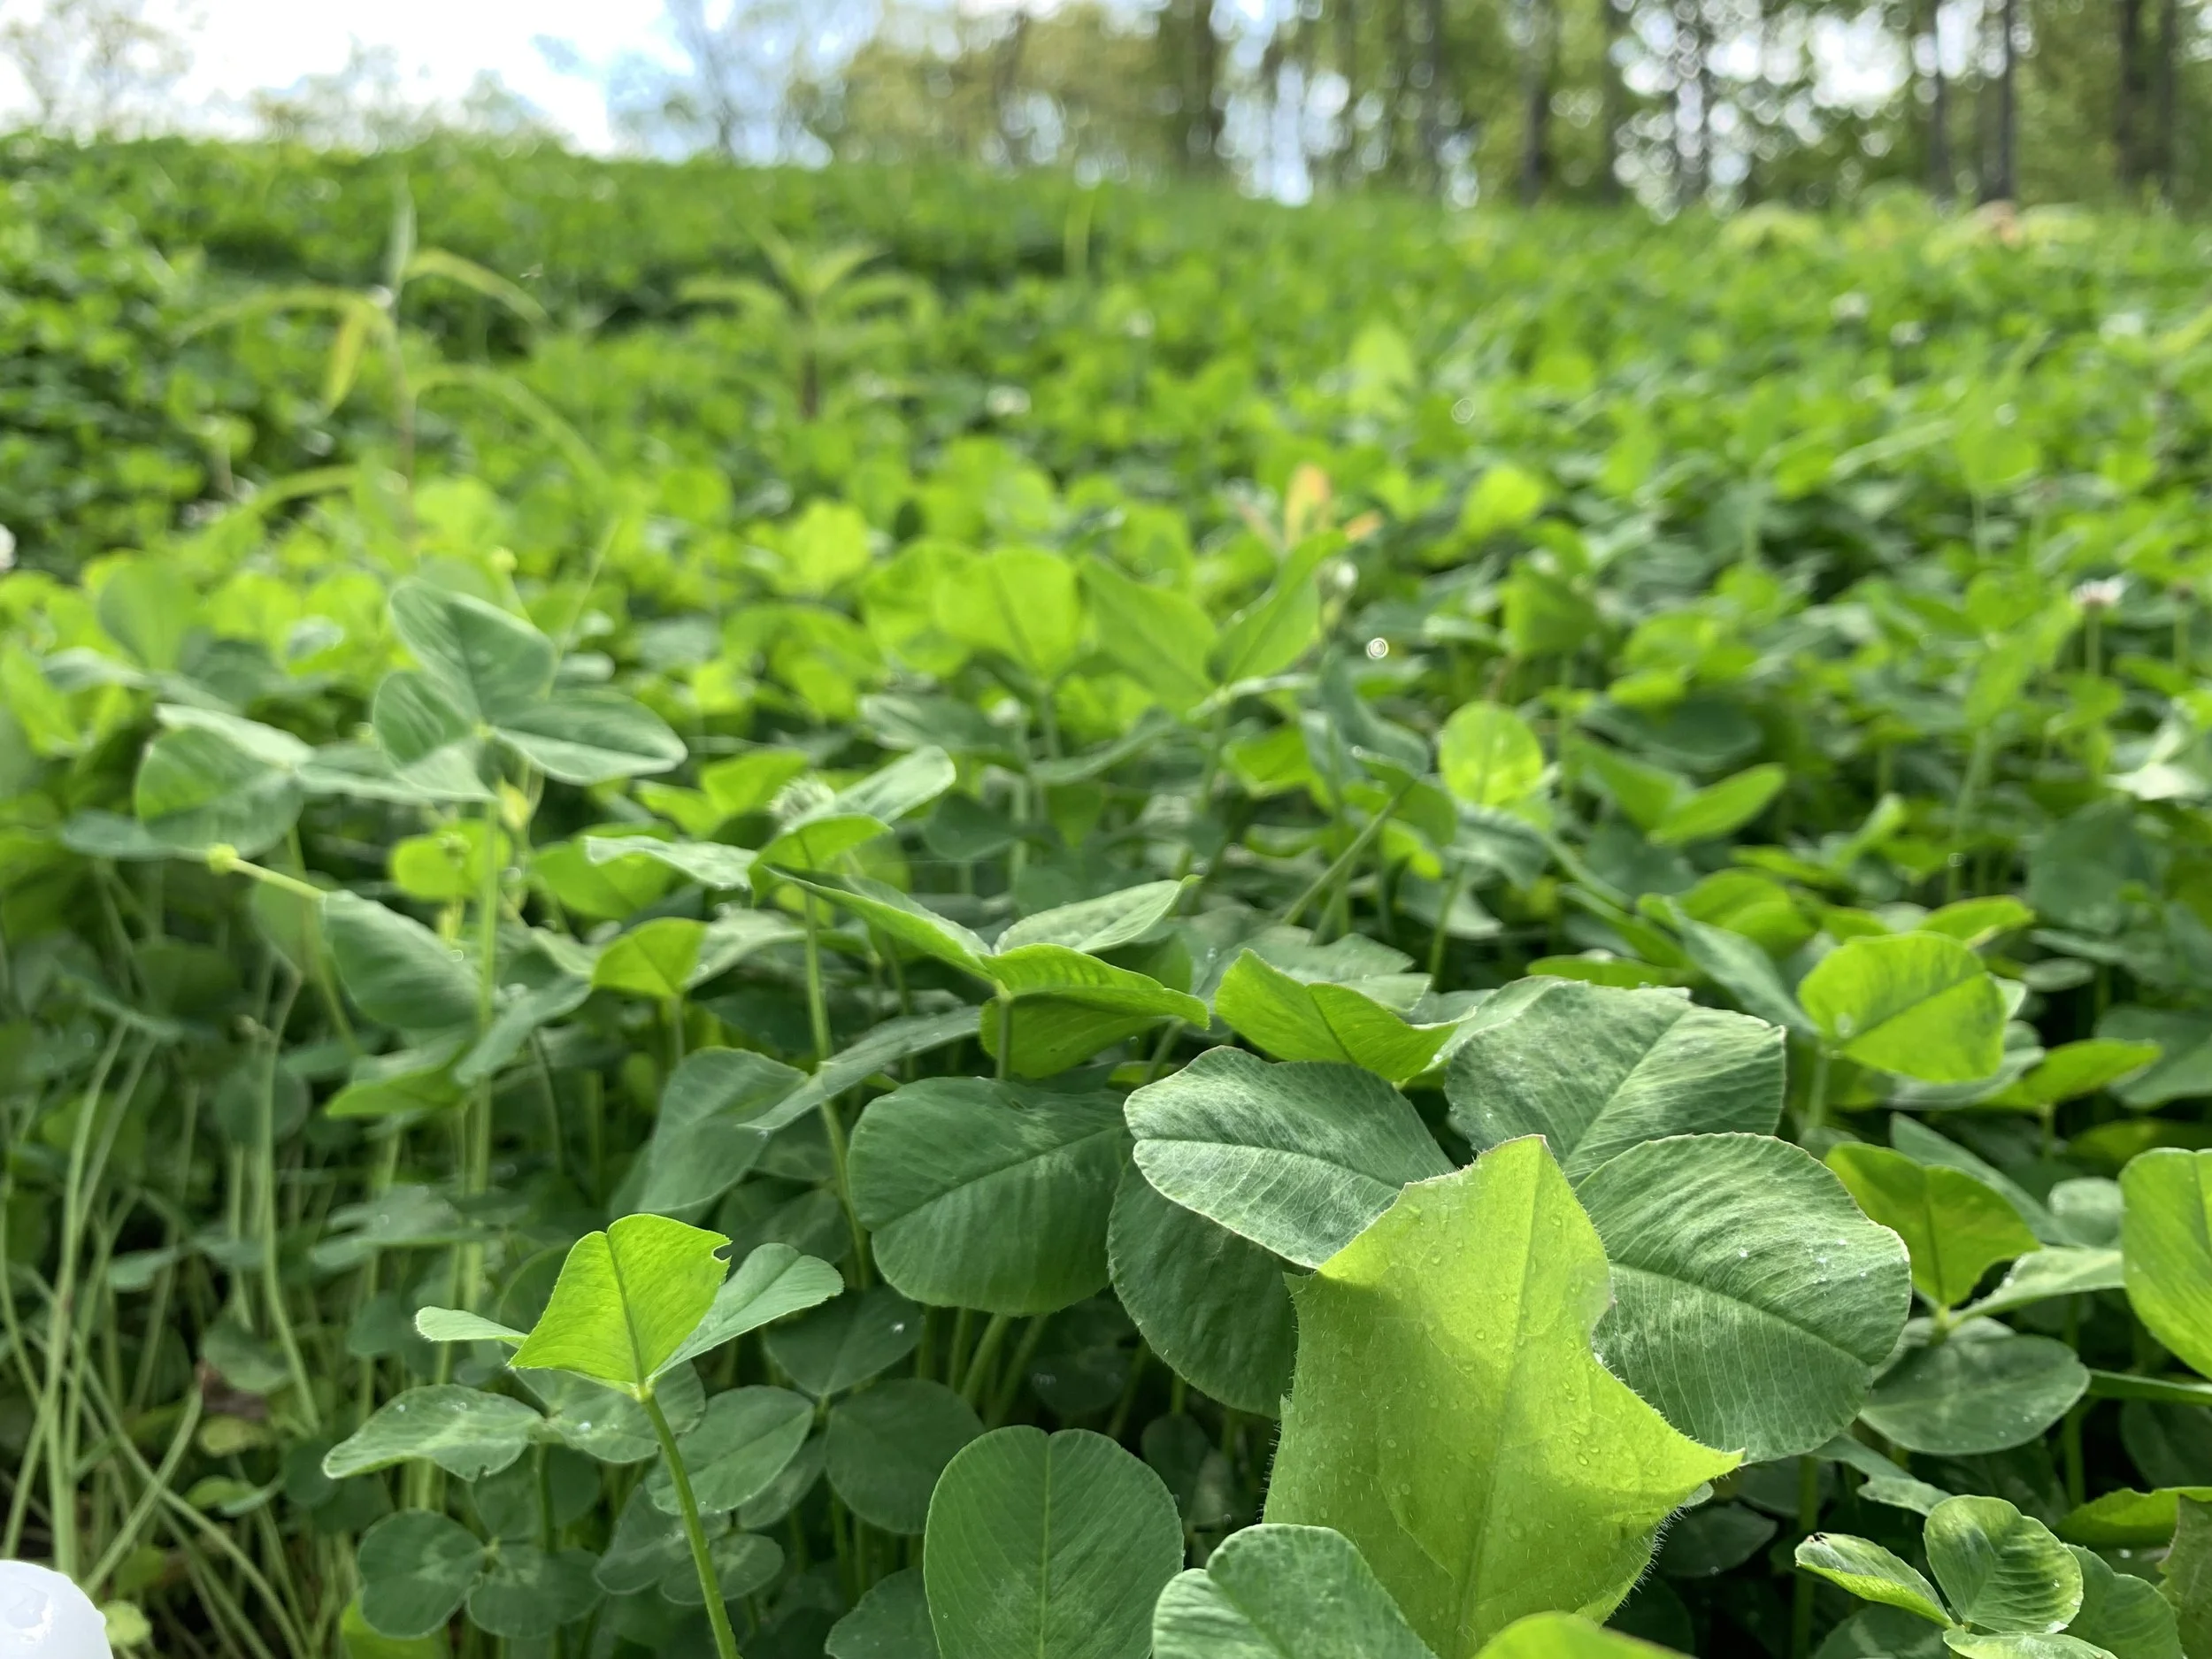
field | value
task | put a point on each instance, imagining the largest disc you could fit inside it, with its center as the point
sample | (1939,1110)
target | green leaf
(708,1135)
(2187,1574)
(848,1341)
(1976,1393)
(626,1300)
(1159,638)
(881,1048)
(432,746)
(1298,1157)
(904,786)
(529,1591)
(1021,604)
(1040,1546)
(901,918)
(710,863)
(1917,1004)
(1282,1592)
(608,1426)
(888,1445)
(2166,1239)
(357,1641)
(1095,924)
(416,1570)
(1956,1228)
(742,1444)
(1272,632)
(890,1622)
(1448,1416)
(2131,1520)
(1505,497)
(1292,1020)
(1975,922)
(2121,1614)
(397,971)
(2043,1274)
(1212,1304)
(1740,967)
(1752,1301)
(2001,1570)
(990,1195)
(588,737)
(1720,810)
(197,788)
(2073,1070)
(1487,755)
(465,1432)
(1564,1636)
(655,959)
(451,1324)
(491,664)
(1595,1071)
(773,1280)
(1970,1644)
(1871,1573)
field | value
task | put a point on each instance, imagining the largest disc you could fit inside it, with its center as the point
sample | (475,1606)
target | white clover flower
(2100,593)
(1006,401)
(1849,308)
(7,549)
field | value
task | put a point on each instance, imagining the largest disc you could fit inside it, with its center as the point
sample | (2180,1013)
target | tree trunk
(1541,49)
(1430,72)
(2168,144)
(2003,182)
(1942,170)
(1203,136)
(1347,65)
(1614,110)
(2128,96)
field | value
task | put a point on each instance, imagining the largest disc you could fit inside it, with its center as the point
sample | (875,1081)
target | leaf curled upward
(1448,1416)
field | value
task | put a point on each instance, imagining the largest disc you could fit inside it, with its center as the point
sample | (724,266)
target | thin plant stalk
(695,1533)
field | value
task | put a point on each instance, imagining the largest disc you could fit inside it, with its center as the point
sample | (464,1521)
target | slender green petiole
(702,1560)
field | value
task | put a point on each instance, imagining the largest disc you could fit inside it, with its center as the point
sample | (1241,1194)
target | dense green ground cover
(870,857)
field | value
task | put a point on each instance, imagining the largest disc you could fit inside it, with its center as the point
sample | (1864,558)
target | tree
(95,68)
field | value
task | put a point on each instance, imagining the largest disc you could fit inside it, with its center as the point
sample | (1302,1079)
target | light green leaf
(1564,1636)
(709,864)
(2073,1070)
(2166,1238)
(452,1324)
(1871,1573)
(772,1281)
(1448,1416)
(588,737)
(1976,1393)
(626,1300)
(2126,1519)
(1487,755)
(1282,1592)
(1956,1228)
(990,1195)
(888,1445)
(1752,1301)
(491,664)
(901,918)
(1298,1158)
(1159,638)
(1272,632)
(1970,1644)
(2188,1575)
(2001,1570)
(1917,1004)
(465,1432)
(1293,1020)
(397,971)
(902,785)
(1721,808)
(656,959)
(708,1135)
(1022,603)
(1212,1304)
(1056,1546)
(1596,1070)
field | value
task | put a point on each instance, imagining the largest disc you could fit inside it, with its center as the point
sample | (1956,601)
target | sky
(244,45)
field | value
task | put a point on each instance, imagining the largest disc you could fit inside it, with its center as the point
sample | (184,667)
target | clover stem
(1802,1592)
(1816,1093)
(817,1012)
(986,1351)
(687,1506)
(1005,1037)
